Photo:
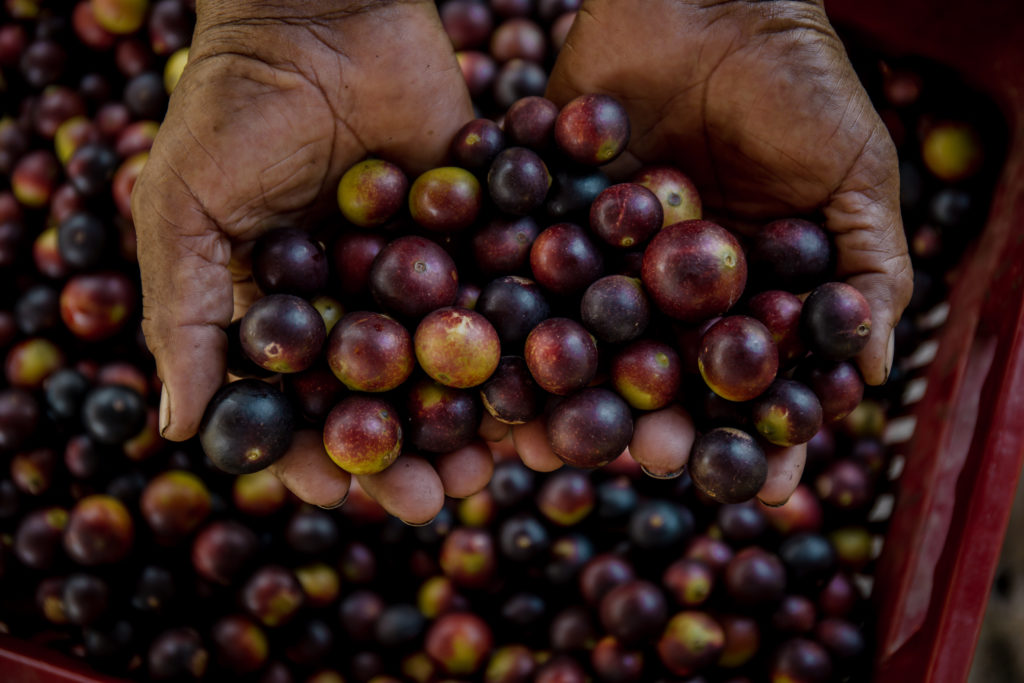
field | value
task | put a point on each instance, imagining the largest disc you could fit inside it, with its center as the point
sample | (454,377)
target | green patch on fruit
(775,425)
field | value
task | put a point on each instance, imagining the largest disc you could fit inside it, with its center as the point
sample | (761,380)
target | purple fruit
(289,261)
(247,426)
(561,355)
(502,246)
(592,129)
(787,414)
(445,199)
(282,333)
(412,276)
(590,428)
(615,309)
(565,260)
(727,465)
(476,144)
(510,395)
(514,306)
(790,254)
(518,181)
(836,321)
(626,215)
(371,192)
(530,122)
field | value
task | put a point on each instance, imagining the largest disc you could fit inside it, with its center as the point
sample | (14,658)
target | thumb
(186,295)
(864,215)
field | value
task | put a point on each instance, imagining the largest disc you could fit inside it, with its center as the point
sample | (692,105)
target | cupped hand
(275,104)
(758,102)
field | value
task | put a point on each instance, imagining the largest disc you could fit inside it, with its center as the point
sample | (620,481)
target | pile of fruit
(151,562)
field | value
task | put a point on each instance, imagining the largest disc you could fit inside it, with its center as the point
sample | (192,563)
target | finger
(491,429)
(244,293)
(186,294)
(785,467)
(662,441)
(465,471)
(531,442)
(409,489)
(307,471)
(872,248)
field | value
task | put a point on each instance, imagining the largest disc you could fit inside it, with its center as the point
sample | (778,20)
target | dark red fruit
(476,144)
(838,387)
(370,352)
(467,557)
(727,465)
(282,333)
(694,270)
(353,255)
(634,611)
(289,261)
(675,192)
(272,595)
(738,358)
(626,215)
(459,642)
(95,306)
(223,550)
(846,485)
(177,654)
(503,245)
(615,663)
(514,305)
(787,414)
(689,581)
(690,642)
(247,425)
(615,309)
(240,645)
(363,435)
(755,577)
(742,639)
(371,192)
(841,638)
(468,23)
(412,276)
(520,38)
(85,598)
(779,311)
(590,428)
(567,497)
(601,575)
(99,531)
(561,355)
(592,129)
(647,374)
(790,254)
(510,395)
(795,614)
(836,321)
(530,122)
(440,419)
(174,504)
(801,661)
(565,260)
(37,539)
(315,391)
(518,78)
(445,199)
(518,181)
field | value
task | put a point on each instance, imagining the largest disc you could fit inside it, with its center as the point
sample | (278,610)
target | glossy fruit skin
(647,374)
(445,199)
(363,435)
(566,498)
(510,395)
(691,641)
(592,129)
(615,309)
(675,191)
(755,577)
(352,256)
(573,190)
(738,358)
(514,305)
(694,270)
(502,246)
(438,418)
(634,611)
(565,260)
(82,240)
(836,321)
(476,144)
(96,306)
(247,425)
(779,311)
(787,413)
(222,551)
(590,428)
(561,355)
(791,254)
(99,531)
(370,352)
(516,79)
(727,465)
(412,276)
(282,333)
(289,261)
(175,503)
(113,414)
(459,642)
(315,391)
(518,181)
(530,122)
(626,215)
(371,192)
(457,347)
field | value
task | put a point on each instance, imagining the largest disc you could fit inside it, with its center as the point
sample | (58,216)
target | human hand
(759,104)
(274,105)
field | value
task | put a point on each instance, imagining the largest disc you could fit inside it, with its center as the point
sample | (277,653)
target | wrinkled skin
(278,100)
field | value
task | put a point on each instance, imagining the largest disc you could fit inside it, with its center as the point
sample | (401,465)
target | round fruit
(518,181)
(675,191)
(787,414)
(282,333)
(457,347)
(565,260)
(592,129)
(99,531)
(590,428)
(445,199)
(727,465)
(247,425)
(561,355)
(836,321)
(615,309)
(690,642)
(371,192)
(370,352)
(510,395)
(289,261)
(476,144)
(694,270)
(790,254)
(626,215)
(363,435)
(412,276)
(647,374)
(738,358)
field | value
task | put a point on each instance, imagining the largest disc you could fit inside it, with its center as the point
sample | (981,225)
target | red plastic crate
(963,463)
(964,460)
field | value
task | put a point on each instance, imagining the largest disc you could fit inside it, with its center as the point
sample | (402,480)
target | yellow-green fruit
(371,192)
(172,70)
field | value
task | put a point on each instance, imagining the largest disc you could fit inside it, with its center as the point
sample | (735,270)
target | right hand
(268,114)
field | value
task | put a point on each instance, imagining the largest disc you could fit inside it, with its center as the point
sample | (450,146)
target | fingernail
(418,524)
(890,349)
(165,409)
(335,506)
